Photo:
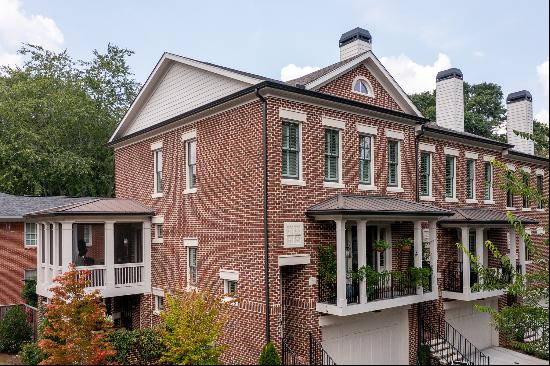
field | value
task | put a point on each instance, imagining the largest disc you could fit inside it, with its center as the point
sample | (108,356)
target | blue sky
(498,41)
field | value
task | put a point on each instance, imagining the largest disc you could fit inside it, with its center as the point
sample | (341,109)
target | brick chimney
(449,103)
(520,118)
(355,42)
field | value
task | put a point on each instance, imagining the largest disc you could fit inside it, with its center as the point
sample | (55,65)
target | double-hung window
(192,265)
(230,287)
(393,163)
(539,191)
(332,155)
(425,173)
(450,177)
(192,164)
(509,192)
(488,189)
(291,150)
(365,159)
(526,187)
(159,303)
(31,234)
(158,170)
(470,179)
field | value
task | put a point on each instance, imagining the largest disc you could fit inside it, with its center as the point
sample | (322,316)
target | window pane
(449,176)
(159,231)
(192,162)
(31,235)
(526,183)
(488,180)
(192,263)
(290,150)
(365,154)
(425,174)
(539,191)
(331,154)
(158,170)
(470,176)
(393,161)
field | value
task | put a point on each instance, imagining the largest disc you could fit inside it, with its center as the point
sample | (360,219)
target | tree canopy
(484,113)
(56,115)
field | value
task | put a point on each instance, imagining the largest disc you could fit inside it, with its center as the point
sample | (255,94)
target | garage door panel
(473,324)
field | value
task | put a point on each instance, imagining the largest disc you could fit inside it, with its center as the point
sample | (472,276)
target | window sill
(29,246)
(427,198)
(156,312)
(488,202)
(471,200)
(156,195)
(539,209)
(395,189)
(333,185)
(451,199)
(292,182)
(525,209)
(367,187)
(157,241)
(510,208)
(190,190)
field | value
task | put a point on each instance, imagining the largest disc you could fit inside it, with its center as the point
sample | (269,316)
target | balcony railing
(95,275)
(327,291)
(453,278)
(128,274)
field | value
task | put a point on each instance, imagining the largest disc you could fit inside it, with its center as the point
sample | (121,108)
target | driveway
(504,356)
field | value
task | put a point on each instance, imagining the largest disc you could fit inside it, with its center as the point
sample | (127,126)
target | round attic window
(362,86)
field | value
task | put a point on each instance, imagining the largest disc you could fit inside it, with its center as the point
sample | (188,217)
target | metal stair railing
(289,357)
(452,339)
(317,355)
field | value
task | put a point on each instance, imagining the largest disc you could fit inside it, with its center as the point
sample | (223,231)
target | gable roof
(481,216)
(317,79)
(15,207)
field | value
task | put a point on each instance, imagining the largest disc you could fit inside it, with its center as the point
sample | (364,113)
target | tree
(14,330)
(269,355)
(29,292)
(56,115)
(530,313)
(190,326)
(75,329)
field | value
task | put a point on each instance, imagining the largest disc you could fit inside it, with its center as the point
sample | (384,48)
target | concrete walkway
(504,356)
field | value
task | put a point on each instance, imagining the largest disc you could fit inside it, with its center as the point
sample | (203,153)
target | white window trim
(25,235)
(539,173)
(490,201)
(395,135)
(333,123)
(156,145)
(300,181)
(190,243)
(340,183)
(488,158)
(474,188)
(364,130)
(451,151)
(156,194)
(399,187)
(430,196)
(471,155)
(227,274)
(157,220)
(367,129)
(369,86)
(292,115)
(426,147)
(185,138)
(90,242)
(526,169)
(157,292)
(511,167)
(453,198)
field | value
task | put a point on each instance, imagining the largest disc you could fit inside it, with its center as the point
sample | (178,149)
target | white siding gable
(183,88)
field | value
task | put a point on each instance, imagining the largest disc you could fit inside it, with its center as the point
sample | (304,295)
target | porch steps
(444,352)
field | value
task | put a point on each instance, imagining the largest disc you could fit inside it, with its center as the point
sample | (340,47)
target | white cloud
(16,27)
(542,116)
(412,77)
(542,71)
(292,71)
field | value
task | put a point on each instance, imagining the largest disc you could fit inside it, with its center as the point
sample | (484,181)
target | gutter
(266,231)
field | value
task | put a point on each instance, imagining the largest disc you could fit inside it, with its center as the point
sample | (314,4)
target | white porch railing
(128,274)
(95,276)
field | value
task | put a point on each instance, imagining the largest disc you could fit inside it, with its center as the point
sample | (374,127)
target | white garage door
(368,339)
(473,324)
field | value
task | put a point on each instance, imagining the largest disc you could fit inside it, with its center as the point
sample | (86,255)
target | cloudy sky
(496,41)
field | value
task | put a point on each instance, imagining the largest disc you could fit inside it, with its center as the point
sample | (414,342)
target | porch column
(49,277)
(465,240)
(147,253)
(341,298)
(362,254)
(67,244)
(39,273)
(522,254)
(109,227)
(433,253)
(418,250)
(55,253)
(479,249)
(512,245)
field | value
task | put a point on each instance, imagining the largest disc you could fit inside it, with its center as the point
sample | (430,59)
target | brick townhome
(225,178)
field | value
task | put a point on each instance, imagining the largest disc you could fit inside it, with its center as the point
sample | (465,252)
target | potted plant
(381,245)
(420,276)
(405,244)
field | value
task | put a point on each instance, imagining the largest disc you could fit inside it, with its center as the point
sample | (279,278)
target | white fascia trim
(190,242)
(488,158)
(333,123)
(156,195)
(230,275)
(293,259)
(191,135)
(293,182)
(427,198)
(397,135)
(156,146)
(511,167)
(426,147)
(395,189)
(333,185)
(367,187)
(288,114)
(451,151)
(366,129)
(159,219)
(539,172)
(471,155)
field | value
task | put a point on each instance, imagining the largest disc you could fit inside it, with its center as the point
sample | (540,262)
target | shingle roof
(373,205)
(14,207)
(481,216)
(434,127)
(99,206)
(312,76)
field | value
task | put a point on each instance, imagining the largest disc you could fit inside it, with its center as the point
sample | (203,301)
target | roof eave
(310,213)
(468,140)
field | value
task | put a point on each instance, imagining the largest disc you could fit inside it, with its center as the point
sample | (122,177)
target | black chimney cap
(352,35)
(449,74)
(519,96)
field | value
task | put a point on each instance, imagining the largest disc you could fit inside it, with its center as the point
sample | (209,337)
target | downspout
(416,150)
(266,239)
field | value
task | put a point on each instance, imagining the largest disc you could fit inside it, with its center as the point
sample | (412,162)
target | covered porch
(400,272)
(109,239)
(474,226)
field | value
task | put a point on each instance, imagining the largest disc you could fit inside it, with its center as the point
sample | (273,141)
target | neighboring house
(18,241)
(240,178)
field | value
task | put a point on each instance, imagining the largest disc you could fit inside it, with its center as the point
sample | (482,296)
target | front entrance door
(377,261)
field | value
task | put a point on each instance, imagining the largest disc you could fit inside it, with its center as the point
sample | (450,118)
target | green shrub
(123,342)
(144,344)
(29,293)
(424,355)
(31,354)
(269,355)
(150,345)
(14,330)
